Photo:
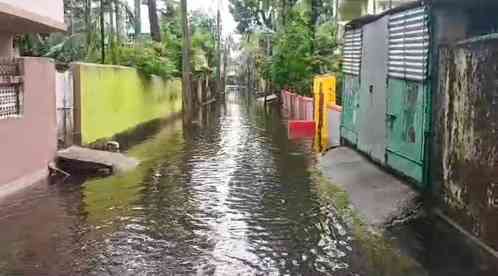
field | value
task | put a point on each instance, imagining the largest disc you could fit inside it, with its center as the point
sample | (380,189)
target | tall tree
(186,59)
(117,12)
(254,13)
(88,22)
(155,30)
(218,51)
(138,18)
(226,55)
(102,31)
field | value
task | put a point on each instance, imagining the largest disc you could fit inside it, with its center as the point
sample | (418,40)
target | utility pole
(102,31)
(186,80)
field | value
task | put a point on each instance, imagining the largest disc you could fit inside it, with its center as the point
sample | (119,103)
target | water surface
(230,195)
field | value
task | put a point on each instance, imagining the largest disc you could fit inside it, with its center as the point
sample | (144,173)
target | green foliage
(57,46)
(303,45)
(83,41)
(252,13)
(292,57)
(172,40)
(150,58)
(203,41)
(325,56)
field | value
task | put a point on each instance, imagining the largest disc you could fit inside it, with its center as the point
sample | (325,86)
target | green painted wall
(350,105)
(406,128)
(113,99)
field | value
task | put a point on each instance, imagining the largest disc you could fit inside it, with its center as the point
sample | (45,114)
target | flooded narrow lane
(229,196)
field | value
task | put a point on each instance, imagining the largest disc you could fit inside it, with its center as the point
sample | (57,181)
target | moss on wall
(113,99)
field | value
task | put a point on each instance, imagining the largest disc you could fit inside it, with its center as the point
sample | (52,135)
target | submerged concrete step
(83,159)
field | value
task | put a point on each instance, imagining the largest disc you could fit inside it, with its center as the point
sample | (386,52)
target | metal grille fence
(10,88)
(353,41)
(409,45)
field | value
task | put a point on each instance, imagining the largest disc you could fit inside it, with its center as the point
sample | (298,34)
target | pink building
(27,95)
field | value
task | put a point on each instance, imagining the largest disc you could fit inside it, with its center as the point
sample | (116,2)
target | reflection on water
(228,196)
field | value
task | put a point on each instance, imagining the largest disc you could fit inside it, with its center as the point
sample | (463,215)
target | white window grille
(11,97)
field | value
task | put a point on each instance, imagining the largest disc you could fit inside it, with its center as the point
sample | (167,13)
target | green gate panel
(406,127)
(350,102)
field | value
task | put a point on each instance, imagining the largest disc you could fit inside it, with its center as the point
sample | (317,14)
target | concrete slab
(85,157)
(377,196)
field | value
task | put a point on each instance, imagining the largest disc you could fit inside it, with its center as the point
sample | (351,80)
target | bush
(149,58)
(292,62)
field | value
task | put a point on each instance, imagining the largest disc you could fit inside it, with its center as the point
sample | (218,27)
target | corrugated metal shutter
(353,41)
(409,45)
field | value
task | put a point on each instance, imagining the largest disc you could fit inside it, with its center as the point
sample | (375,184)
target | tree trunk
(336,14)
(102,32)
(112,33)
(316,6)
(155,30)
(117,12)
(88,23)
(218,53)
(186,83)
(138,18)
(225,63)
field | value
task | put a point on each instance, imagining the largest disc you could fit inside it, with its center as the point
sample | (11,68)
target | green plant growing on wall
(149,58)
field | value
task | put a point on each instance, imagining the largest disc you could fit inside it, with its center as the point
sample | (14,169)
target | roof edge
(47,24)
(361,21)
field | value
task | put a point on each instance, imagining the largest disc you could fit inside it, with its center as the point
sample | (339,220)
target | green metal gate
(351,104)
(353,42)
(407,93)
(406,127)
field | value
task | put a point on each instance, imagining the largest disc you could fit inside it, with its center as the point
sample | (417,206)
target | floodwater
(229,196)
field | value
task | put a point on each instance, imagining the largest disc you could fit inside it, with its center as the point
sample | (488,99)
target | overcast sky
(209,6)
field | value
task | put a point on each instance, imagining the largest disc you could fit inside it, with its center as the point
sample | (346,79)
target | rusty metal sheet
(468,126)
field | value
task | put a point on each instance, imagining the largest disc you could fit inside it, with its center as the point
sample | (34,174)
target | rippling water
(229,196)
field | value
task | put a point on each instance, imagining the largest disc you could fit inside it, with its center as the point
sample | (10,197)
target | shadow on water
(229,195)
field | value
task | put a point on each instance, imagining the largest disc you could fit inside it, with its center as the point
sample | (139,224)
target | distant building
(351,9)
